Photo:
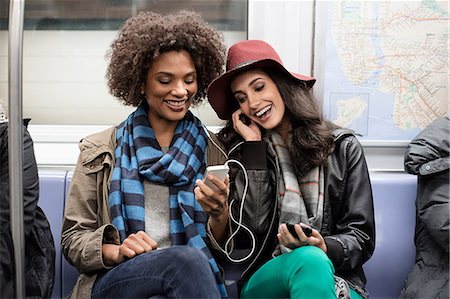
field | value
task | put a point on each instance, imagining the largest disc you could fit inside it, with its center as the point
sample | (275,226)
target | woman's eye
(259,87)
(164,81)
(241,99)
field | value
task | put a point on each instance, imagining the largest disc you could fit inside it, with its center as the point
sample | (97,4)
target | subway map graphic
(387,66)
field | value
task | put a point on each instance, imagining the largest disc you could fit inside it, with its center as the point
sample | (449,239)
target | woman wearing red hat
(299,169)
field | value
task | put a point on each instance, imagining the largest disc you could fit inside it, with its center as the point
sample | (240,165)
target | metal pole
(313,33)
(15,140)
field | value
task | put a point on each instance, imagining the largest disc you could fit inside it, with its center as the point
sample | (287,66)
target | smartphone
(306,229)
(220,171)
(244,118)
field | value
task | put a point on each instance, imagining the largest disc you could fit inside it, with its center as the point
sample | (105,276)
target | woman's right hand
(133,245)
(249,132)
(215,204)
(288,240)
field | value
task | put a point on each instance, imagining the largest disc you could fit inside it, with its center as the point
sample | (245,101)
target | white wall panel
(288,27)
(64,78)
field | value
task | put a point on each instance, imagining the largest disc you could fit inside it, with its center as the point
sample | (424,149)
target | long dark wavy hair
(312,135)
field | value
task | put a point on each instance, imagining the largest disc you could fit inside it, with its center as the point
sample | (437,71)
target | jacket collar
(97,145)
(343,132)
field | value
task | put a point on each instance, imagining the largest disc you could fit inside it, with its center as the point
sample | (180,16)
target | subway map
(386,69)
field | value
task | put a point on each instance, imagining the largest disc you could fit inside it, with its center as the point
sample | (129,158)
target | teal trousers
(305,272)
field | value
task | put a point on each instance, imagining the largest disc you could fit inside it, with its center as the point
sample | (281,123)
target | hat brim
(219,93)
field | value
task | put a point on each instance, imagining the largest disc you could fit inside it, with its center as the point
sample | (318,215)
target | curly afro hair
(143,37)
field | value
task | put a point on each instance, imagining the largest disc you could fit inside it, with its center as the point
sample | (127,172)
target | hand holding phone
(244,118)
(306,229)
(246,127)
(220,171)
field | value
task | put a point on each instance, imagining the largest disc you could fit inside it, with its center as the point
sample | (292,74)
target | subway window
(65,43)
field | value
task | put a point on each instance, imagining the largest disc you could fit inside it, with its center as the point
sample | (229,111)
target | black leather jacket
(348,223)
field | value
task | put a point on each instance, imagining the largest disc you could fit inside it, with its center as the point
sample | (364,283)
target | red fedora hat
(245,55)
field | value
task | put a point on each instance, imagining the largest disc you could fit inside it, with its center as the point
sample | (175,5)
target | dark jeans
(174,272)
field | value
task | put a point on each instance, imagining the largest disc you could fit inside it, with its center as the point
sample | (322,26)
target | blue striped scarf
(138,156)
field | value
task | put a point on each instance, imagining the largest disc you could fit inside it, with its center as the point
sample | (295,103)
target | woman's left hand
(288,240)
(214,203)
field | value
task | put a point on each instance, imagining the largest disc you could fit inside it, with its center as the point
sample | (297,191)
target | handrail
(15,139)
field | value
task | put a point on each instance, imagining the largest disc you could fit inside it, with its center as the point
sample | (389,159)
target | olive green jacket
(87,224)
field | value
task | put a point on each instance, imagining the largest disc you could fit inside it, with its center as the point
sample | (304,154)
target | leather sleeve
(353,239)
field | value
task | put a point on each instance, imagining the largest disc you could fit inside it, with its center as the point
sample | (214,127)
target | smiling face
(260,99)
(170,86)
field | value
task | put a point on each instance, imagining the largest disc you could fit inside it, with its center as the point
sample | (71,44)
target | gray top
(157,214)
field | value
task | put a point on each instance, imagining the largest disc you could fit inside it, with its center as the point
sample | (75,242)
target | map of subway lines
(391,49)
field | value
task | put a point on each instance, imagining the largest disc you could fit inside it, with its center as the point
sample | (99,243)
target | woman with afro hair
(132,226)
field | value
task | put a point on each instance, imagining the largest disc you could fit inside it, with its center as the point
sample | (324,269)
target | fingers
(249,132)
(146,238)
(136,244)
(285,236)
(217,194)
(222,186)
(213,202)
(236,119)
(238,125)
(290,241)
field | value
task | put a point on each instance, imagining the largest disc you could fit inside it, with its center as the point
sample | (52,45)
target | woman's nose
(180,90)
(254,102)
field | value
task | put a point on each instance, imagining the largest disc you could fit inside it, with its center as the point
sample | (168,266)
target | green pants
(305,272)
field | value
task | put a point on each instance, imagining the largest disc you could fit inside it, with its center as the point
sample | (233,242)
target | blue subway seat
(69,273)
(394,255)
(394,201)
(52,194)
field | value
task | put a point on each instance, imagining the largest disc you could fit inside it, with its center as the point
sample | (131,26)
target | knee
(187,256)
(312,257)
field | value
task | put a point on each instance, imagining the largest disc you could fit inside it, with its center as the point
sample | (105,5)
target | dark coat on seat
(427,156)
(39,244)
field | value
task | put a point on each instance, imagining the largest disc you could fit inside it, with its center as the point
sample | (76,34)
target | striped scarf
(138,156)
(300,200)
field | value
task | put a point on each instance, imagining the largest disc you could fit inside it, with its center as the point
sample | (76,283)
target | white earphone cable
(239,221)
(241,208)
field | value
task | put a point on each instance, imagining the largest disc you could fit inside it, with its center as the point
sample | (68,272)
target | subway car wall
(381,70)
(387,101)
